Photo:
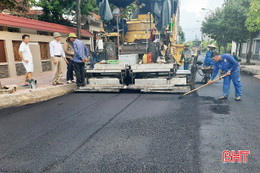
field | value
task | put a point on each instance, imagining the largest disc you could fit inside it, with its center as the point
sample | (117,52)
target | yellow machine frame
(137,30)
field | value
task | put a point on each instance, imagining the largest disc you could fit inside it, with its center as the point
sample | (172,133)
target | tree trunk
(219,49)
(236,49)
(225,49)
(240,49)
(249,53)
(78,19)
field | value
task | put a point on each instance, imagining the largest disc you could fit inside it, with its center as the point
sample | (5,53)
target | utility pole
(118,41)
(78,19)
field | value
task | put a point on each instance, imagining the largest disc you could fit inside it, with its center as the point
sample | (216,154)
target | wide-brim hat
(212,46)
(56,34)
(72,35)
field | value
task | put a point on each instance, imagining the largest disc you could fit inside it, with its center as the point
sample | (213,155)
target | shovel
(221,77)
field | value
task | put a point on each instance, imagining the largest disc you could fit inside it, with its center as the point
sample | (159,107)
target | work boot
(222,98)
(238,98)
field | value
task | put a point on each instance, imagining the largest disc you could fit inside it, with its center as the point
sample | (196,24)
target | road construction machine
(140,53)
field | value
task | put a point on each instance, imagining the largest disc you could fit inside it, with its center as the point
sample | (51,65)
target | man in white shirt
(26,56)
(57,53)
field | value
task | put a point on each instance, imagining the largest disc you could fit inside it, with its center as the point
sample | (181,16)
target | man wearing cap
(229,65)
(57,53)
(69,52)
(80,57)
(187,56)
(208,61)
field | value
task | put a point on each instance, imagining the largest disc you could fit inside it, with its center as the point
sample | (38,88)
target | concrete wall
(93,28)
(245,46)
(233,48)
(3,70)
(39,65)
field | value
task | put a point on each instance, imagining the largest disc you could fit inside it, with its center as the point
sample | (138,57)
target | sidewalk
(251,69)
(24,95)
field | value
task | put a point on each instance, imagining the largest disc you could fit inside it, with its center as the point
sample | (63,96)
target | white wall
(234,46)
(244,48)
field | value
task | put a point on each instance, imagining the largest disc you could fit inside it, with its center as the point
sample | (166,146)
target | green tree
(214,27)
(234,15)
(87,7)
(54,10)
(228,23)
(130,9)
(253,24)
(181,35)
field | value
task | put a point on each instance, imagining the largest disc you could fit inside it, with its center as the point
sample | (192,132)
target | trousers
(79,68)
(235,77)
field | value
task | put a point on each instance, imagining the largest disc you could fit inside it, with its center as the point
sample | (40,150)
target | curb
(34,96)
(250,71)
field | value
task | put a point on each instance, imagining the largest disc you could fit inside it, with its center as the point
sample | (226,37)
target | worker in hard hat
(229,65)
(187,56)
(81,55)
(208,61)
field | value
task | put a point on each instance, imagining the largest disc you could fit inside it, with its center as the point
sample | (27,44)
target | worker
(235,56)
(57,53)
(69,52)
(231,68)
(94,59)
(187,56)
(80,57)
(119,12)
(208,61)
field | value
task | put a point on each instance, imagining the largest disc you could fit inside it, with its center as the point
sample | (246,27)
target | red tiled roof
(97,17)
(35,12)
(20,22)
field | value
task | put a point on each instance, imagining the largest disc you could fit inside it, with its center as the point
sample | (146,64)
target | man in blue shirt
(80,57)
(231,68)
(208,61)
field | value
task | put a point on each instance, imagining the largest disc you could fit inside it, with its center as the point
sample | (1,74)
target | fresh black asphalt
(133,132)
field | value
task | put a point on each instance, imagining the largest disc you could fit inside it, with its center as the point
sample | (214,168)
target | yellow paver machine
(145,54)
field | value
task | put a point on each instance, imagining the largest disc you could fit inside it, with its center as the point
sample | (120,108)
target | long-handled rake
(221,77)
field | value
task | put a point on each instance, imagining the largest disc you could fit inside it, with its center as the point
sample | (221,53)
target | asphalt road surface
(133,132)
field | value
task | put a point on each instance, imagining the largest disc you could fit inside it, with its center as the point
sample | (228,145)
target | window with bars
(44,48)
(16,45)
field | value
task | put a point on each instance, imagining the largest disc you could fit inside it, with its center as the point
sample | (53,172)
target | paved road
(132,132)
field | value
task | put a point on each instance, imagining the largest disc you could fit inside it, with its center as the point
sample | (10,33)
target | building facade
(243,48)
(11,30)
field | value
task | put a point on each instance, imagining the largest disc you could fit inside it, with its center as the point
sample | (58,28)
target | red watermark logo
(228,156)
